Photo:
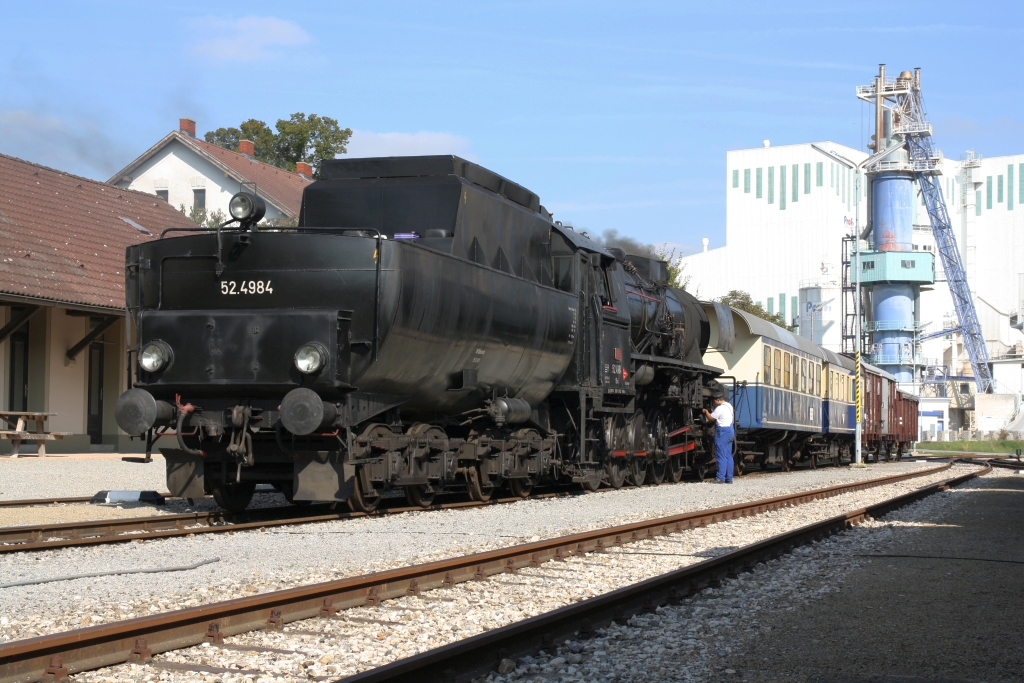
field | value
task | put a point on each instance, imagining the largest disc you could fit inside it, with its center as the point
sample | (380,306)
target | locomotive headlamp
(246,207)
(310,358)
(155,356)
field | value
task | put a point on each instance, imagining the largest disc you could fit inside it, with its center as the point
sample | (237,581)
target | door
(19,371)
(95,414)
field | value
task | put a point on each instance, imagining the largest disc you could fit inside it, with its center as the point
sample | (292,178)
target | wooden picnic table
(17,432)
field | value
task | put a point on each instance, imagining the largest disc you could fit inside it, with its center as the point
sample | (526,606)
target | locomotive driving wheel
(616,469)
(638,438)
(657,455)
(420,495)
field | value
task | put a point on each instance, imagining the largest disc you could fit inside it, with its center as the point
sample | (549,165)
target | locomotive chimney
(187,126)
(304,170)
(248,148)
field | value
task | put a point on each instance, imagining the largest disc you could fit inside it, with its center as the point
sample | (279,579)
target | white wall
(775,243)
(66,383)
(179,169)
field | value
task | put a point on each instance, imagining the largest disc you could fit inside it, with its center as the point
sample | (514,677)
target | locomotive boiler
(426,326)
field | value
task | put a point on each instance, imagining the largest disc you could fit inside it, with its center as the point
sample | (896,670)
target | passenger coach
(793,399)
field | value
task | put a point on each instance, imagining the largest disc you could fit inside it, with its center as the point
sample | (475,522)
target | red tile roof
(63,237)
(272,182)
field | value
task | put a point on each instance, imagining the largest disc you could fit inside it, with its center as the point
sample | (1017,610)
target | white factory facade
(787,210)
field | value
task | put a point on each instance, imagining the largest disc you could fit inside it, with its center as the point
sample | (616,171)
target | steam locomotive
(427,326)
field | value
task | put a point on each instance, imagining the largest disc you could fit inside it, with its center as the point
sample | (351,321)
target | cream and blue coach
(788,393)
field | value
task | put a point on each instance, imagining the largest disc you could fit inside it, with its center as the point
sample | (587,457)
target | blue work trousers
(724,437)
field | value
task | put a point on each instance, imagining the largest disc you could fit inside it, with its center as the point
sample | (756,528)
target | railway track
(28,538)
(53,657)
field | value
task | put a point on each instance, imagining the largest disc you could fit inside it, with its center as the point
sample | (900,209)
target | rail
(54,657)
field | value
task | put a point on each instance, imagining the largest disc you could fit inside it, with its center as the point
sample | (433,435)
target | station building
(62,311)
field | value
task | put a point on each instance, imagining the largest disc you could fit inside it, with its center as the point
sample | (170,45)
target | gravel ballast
(262,561)
(66,477)
(417,623)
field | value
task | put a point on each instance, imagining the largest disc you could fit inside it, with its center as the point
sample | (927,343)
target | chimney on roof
(304,170)
(187,126)
(248,148)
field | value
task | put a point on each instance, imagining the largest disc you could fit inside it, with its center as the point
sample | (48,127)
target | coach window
(778,368)
(803,375)
(787,365)
(817,379)
(767,365)
(796,373)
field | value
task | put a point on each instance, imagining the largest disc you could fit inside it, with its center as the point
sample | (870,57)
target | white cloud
(79,147)
(246,39)
(365,143)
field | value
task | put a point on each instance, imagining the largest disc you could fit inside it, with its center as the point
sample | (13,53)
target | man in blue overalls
(725,435)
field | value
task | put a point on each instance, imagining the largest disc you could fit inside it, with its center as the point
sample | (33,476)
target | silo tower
(891,272)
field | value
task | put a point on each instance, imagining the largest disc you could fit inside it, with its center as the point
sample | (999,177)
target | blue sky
(617,114)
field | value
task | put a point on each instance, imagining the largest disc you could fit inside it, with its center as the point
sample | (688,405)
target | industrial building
(786,248)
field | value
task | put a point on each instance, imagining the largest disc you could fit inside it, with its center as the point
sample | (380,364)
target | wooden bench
(18,432)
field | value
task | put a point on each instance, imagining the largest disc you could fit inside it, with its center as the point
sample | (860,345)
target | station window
(162,194)
(999,189)
(736,178)
(977,203)
(199,199)
(746,181)
(796,182)
(807,178)
(771,185)
(803,375)
(767,365)
(778,368)
(1020,184)
(758,183)
(988,192)
(820,174)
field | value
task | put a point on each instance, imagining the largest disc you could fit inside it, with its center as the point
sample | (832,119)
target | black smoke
(612,238)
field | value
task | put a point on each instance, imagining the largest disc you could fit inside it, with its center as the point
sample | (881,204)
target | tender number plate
(231,287)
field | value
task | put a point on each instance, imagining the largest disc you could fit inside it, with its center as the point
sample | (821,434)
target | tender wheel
(234,497)
(477,491)
(360,501)
(420,495)
(521,488)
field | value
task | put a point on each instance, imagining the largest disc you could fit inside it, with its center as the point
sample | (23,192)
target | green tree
(310,139)
(741,300)
(676,267)
(202,217)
